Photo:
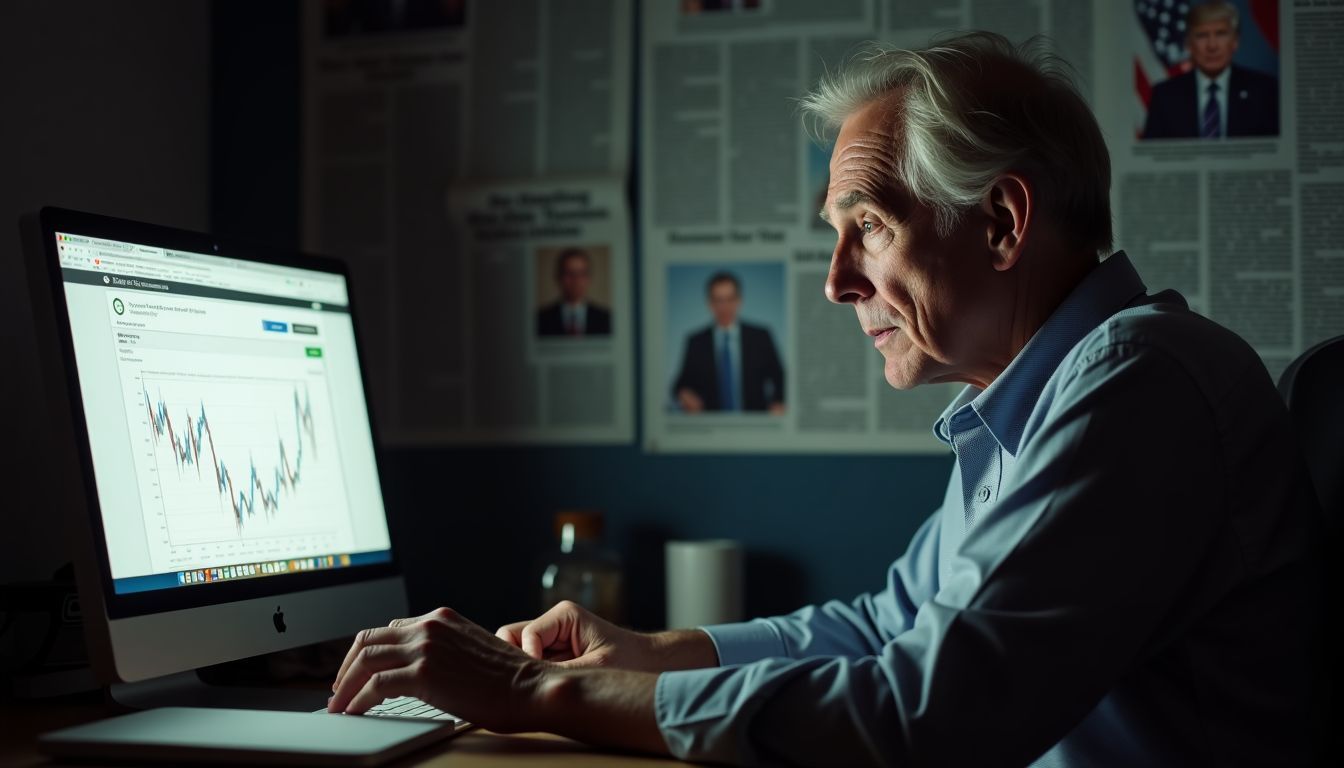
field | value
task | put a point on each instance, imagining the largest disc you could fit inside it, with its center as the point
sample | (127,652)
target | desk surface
(23,722)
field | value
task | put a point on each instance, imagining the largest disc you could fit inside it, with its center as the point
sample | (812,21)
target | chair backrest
(1313,388)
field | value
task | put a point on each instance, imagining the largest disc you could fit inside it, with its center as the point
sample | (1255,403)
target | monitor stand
(186,689)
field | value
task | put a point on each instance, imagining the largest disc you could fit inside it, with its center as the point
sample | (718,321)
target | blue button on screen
(274,325)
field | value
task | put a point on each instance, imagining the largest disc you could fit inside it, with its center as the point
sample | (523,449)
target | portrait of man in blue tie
(1216,98)
(729,365)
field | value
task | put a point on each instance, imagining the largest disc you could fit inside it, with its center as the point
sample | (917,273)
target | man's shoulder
(700,335)
(757,337)
(1162,336)
(1173,85)
(1248,78)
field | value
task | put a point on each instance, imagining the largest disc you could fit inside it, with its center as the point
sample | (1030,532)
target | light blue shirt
(1117,576)
(1202,81)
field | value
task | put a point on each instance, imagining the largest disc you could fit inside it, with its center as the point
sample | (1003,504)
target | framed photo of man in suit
(573,290)
(726,337)
(1207,70)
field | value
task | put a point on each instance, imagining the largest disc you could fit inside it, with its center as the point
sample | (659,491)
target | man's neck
(1215,77)
(1041,283)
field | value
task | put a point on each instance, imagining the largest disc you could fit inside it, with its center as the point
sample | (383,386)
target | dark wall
(105,109)
(473,525)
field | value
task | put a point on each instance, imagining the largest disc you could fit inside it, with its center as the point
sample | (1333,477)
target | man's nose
(846,282)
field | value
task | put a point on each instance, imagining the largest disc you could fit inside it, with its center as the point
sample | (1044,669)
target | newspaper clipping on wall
(548,339)
(403,101)
(1235,196)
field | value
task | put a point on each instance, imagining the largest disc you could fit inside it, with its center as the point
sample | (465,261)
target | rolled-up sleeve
(1080,571)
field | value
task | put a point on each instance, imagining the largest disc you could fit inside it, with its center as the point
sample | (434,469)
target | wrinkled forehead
(872,127)
(865,158)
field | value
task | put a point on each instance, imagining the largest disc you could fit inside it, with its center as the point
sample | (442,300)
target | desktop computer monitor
(231,503)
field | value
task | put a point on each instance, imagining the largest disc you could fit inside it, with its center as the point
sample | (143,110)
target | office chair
(1313,391)
(1313,388)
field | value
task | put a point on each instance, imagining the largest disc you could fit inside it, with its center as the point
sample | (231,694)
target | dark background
(187,113)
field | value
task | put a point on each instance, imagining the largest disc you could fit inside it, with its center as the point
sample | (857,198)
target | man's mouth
(881,334)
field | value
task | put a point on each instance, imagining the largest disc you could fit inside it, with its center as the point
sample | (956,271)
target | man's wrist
(683,649)
(612,707)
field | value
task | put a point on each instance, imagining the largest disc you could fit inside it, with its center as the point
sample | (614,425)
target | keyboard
(409,707)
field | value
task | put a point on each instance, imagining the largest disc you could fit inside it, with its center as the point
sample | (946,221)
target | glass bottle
(582,571)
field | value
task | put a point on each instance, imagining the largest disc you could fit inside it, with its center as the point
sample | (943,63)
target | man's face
(574,279)
(922,297)
(1211,46)
(724,302)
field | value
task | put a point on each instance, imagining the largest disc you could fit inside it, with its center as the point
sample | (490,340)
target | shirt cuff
(746,642)
(691,706)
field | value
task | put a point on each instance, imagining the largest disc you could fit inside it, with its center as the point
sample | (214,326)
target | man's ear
(1008,205)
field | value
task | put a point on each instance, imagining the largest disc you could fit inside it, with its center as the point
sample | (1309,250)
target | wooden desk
(21,724)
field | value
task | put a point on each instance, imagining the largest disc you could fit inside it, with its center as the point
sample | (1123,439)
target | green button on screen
(314,351)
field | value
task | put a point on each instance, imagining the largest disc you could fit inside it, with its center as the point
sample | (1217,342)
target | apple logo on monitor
(278,619)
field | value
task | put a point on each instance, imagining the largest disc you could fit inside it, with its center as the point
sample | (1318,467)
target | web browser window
(226,415)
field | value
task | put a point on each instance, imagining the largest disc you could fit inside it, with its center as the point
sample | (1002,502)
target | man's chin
(899,377)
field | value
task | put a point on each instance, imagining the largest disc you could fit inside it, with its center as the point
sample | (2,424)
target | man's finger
(383,685)
(512,633)
(551,629)
(375,636)
(379,636)
(371,660)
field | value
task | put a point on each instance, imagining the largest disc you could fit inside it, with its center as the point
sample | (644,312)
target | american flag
(1162,28)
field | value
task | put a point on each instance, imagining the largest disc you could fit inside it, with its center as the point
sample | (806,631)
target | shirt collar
(1005,404)
(1203,81)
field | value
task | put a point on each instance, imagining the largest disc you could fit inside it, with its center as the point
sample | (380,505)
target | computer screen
(225,412)
(229,500)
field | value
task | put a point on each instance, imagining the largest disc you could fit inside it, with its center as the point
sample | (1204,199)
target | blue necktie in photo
(1209,127)
(725,366)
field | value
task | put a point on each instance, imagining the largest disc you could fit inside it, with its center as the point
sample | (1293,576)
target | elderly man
(1216,98)
(1118,574)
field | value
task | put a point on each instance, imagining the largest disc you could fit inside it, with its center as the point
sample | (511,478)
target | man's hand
(443,660)
(689,401)
(574,637)
(451,663)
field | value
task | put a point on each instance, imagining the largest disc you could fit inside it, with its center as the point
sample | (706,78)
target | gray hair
(974,107)
(1216,10)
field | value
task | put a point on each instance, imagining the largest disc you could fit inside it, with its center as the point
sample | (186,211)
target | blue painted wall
(473,526)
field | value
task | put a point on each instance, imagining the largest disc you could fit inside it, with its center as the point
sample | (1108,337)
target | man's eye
(868,227)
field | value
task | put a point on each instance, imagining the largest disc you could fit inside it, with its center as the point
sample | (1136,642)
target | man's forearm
(605,707)
(682,649)
(614,707)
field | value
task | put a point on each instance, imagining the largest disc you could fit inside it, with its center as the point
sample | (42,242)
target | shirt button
(983,494)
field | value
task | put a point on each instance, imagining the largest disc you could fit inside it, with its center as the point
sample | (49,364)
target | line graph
(189,446)
(238,465)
